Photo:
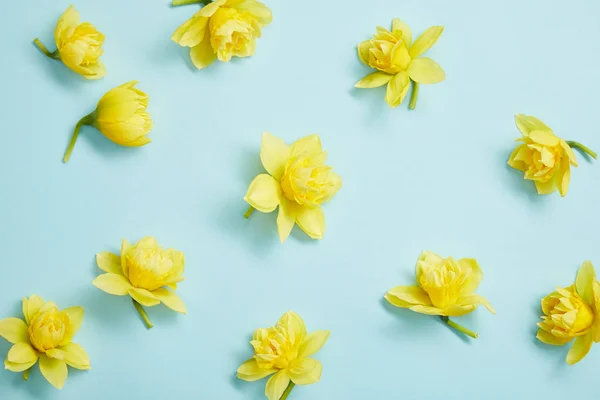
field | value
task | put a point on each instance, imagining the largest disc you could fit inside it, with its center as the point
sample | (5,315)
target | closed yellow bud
(386,51)
(48,329)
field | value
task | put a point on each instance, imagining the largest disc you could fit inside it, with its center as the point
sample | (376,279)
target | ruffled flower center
(48,329)
(443,282)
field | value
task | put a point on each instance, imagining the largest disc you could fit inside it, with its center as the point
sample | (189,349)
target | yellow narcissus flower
(283,351)
(396,58)
(121,116)
(79,45)
(298,182)
(445,287)
(146,272)
(545,158)
(46,336)
(222,29)
(573,313)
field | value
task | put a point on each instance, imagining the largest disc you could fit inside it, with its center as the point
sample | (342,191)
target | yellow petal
(407,296)
(22,353)
(546,138)
(125,247)
(596,324)
(476,300)
(518,157)
(312,221)
(170,299)
(293,324)
(264,193)
(374,80)
(286,218)
(75,356)
(548,338)
(474,275)
(31,306)
(211,8)
(545,187)
(203,54)
(109,262)
(274,154)
(426,258)
(526,124)
(585,282)
(426,41)
(192,32)
(425,70)
(277,384)
(306,371)
(458,310)
(398,25)
(14,330)
(114,284)
(570,153)
(426,310)
(16,367)
(307,145)
(580,348)
(250,371)
(65,26)
(397,89)
(313,343)
(76,318)
(564,181)
(54,370)
(400,56)
(143,297)
(363,51)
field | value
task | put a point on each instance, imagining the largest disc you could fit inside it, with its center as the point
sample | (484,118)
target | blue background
(435,178)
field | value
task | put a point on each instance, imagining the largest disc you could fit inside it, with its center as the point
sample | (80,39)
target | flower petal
(580,348)
(76,318)
(596,324)
(397,89)
(250,371)
(264,193)
(312,221)
(363,51)
(312,343)
(143,296)
(477,300)
(286,218)
(109,262)
(398,25)
(545,187)
(585,282)
(125,247)
(544,137)
(22,353)
(518,157)
(31,306)
(376,79)
(526,124)
(474,275)
(170,299)
(211,8)
(202,54)
(76,356)
(274,154)
(425,70)
(114,284)
(548,338)
(426,41)
(310,144)
(16,367)
(54,370)
(14,330)
(65,25)
(570,153)
(564,181)
(426,310)
(306,371)
(293,324)
(426,258)
(407,296)
(192,32)
(277,384)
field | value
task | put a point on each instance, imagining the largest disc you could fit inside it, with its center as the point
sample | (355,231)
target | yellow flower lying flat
(545,158)
(79,45)
(298,183)
(121,116)
(573,313)
(146,272)
(46,336)
(445,287)
(283,351)
(397,60)
(222,29)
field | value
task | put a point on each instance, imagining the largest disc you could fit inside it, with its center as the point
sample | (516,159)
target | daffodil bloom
(146,272)
(121,116)
(79,45)
(222,29)
(298,182)
(284,351)
(46,335)
(573,313)
(545,158)
(397,60)
(445,287)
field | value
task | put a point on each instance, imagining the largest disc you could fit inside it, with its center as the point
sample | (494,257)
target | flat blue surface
(435,178)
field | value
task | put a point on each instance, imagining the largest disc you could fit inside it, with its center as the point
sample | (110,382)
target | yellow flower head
(299,183)
(573,313)
(223,29)
(396,59)
(146,272)
(283,351)
(45,335)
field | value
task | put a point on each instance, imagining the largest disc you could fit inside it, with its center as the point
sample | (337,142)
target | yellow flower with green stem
(445,287)
(146,272)
(46,335)
(398,62)
(283,352)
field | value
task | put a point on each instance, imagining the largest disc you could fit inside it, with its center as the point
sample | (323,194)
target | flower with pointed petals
(573,313)
(146,272)
(397,60)
(445,287)
(298,182)
(283,351)
(46,336)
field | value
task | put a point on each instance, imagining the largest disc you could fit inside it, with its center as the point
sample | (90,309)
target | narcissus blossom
(46,336)
(146,272)
(573,313)
(284,352)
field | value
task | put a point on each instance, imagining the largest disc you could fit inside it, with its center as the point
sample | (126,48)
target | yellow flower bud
(386,51)
(48,329)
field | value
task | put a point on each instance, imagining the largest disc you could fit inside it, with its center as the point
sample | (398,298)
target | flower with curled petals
(46,336)
(445,287)
(298,182)
(284,351)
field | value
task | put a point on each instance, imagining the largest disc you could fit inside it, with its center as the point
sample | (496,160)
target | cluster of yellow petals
(46,336)
(545,158)
(298,183)
(573,313)
(146,272)
(397,60)
(223,29)
(283,351)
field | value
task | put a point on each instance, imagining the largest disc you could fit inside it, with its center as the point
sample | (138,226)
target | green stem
(87,120)
(143,314)
(460,328)
(583,148)
(40,45)
(186,2)
(249,212)
(26,374)
(414,96)
(287,391)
